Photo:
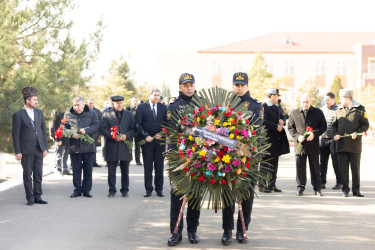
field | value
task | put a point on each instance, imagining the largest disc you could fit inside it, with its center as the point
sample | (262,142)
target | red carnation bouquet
(114,135)
(308,130)
(74,130)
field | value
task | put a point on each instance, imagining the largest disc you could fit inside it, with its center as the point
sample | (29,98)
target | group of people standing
(338,127)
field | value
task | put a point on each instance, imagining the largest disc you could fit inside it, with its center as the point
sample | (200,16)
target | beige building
(301,56)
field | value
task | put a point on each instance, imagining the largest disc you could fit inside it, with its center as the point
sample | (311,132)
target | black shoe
(275,189)
(96,165)
(264,190)
(358,194)
(318,193)
(147,194)
(240,238)
(300,192)
(30,202)
(322,186)
(111,195)
(345,194)
(88,195)
(227,237)
(74,195)
(174,240)
(125,194)
(66,172)
(193,238)
(40,201)
(160,194)
(337,186)
(139,163)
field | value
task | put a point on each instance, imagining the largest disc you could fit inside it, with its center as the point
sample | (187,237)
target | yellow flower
(229,123)
(238,137)
(239,171)
(217,159)
(232,128)
(231,135)
(198,119)
(230,119)
(203,153)
(217,122)
(244,159)
(193,148)
(191,138)
(225,124)
(226,159)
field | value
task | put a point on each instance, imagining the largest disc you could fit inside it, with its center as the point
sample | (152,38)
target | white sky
(145,27)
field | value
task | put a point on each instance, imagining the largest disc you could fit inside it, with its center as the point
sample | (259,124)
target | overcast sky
(145,27)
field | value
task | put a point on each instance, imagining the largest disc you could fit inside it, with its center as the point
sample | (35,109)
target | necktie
(153,111)
(305,112)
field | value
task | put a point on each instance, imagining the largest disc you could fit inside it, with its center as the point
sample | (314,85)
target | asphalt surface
(279,220)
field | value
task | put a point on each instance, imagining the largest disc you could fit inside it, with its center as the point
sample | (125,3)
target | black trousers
(32,165)
(328,147)
(314,171)
(247,208)
(274,165)
(192,215)
(124,166)
(62,154)
(355,161)
(153,158)
(137,150)
(82,162)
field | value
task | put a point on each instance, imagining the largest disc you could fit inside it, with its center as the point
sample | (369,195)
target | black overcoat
(114,150)
(297,125)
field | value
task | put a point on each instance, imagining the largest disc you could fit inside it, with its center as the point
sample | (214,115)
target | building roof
(298,42)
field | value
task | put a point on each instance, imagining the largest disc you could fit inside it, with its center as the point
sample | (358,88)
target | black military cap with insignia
(117,98)
(240,78)
(29,91)
(186,77)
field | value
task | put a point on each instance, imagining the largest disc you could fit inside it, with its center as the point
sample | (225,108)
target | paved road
(280,220)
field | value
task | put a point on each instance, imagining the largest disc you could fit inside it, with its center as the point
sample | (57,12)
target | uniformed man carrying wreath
(350,121)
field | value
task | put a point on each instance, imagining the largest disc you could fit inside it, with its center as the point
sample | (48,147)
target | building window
(216,68)
(289,68)
(341,68)
(371,67)
(320,68)
(269,67)
(237,66)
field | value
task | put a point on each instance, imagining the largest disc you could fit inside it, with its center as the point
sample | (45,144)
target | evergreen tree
(309,88)
(335,87)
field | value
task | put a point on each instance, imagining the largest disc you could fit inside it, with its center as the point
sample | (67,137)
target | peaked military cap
(186,77)
(240,78)
(117,98)
(273,92)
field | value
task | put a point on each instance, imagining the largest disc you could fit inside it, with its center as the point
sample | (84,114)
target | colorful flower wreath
(218,148)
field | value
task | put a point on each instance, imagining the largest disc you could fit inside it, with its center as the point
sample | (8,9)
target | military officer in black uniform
(186,93)
(240,88)
(274,121)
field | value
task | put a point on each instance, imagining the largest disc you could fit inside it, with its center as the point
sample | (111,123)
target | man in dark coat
(149,120)
(274,121)
(116,150)
(134,102)
(91,104)
(240,88)
(82,153)
(351,118)
(327,145)
(30,144)
(307,143)
(62,151)
(186,93)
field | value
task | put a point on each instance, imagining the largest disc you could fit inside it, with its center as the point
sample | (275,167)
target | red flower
(195,123)
(247,121)
(212,181)
(249,159)
(114,132)
(179,136)
(203,158)
(220,154)
(230,109)
(253,149)
(193,112)
(310,129)
(201,178)
(164,130)
(200,109)
(254,132)
(234,122)
(217,118)
(244,174)
(183,122)
(63,121)
(365,133)
(239,113)
(248,165)
(225,148)
(186,169)
(209,113)
(59,132)
(193,174)
(223,182)
(234,181)
(203,116)
(236,131)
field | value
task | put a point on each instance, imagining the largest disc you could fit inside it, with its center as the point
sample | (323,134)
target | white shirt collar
(30,112)
(156,107)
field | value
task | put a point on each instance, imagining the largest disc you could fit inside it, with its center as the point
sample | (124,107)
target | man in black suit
(134,102)
(299,120)
(149,119)
(82,153)
(30,144)
(91,104)
(274,121)
(116,150)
